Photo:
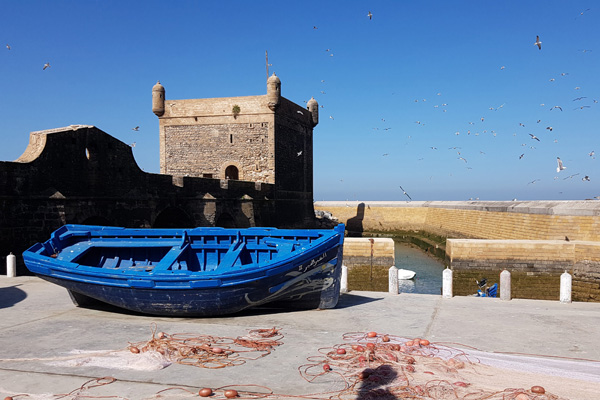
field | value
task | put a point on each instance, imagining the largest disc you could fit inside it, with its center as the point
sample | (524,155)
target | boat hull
(310,279)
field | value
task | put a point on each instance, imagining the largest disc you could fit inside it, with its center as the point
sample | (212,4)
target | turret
(313,108)
(158,99)
(273,91)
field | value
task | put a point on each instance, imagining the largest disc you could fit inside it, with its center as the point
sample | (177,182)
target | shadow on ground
(9,296)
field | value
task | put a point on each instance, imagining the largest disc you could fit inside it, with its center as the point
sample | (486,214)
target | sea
(428,279)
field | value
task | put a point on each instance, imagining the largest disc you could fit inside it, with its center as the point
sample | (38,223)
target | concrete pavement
(40,327)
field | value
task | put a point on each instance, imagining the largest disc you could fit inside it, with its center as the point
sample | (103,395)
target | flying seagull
(137,128)
(560,166)
(534,137)
(404,191)
(559,107)
(47,65)
(8,46)
(585,178)
(370,15)
(538,42)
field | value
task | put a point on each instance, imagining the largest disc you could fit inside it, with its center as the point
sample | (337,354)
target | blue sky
(402,93)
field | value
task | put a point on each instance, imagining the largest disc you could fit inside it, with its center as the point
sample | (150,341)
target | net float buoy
(326,367)
(205,392)
(341,351)
(538,390)
(372,334)
(230,394)
(385,338)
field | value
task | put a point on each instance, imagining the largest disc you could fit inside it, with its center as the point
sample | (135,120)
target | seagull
(137,128)
(585,178)
(534,137)
(521,156)
(300,112)
(533,181)
(460,158)
(559,107)
(8,46)
(579,98)
(47,65)
(385,154)
(314,27)
(538,42)
(549,128)
(132,144)
(560,166)
(570,176)
(404,191)
(370,15)
(330,117)
(591,154)
(299,153)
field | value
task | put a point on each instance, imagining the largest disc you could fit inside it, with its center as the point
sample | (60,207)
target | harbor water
(428,279)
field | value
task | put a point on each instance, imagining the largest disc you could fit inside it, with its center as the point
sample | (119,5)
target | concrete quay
(545,341)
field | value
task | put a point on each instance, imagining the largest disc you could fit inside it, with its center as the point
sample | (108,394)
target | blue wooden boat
(195,272)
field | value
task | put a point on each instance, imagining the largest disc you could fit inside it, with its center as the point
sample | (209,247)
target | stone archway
(173,217)
(232,172)
(225,220)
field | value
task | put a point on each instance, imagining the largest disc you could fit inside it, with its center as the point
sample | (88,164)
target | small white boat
(406,273)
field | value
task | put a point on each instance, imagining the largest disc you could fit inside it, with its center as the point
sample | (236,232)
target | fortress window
(263,124)
(231,138)
(250,125)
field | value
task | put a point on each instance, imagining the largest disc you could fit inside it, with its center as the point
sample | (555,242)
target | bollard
(11,265)
(565,287)
(344,283)
(393,285)
(447,283)
(505,285)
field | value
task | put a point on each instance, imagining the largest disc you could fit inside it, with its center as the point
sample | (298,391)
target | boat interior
(177,251)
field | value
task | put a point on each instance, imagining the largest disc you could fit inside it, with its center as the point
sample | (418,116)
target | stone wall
(552,220)
(535,266)
(357,252)
(190,150)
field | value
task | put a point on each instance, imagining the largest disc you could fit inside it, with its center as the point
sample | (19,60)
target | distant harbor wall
(530,220)
(536,240)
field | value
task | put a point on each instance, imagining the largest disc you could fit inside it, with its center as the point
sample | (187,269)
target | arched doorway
(225,220)
(231,172)
(173,217)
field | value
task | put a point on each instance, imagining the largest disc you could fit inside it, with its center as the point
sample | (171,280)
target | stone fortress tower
(265,138)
